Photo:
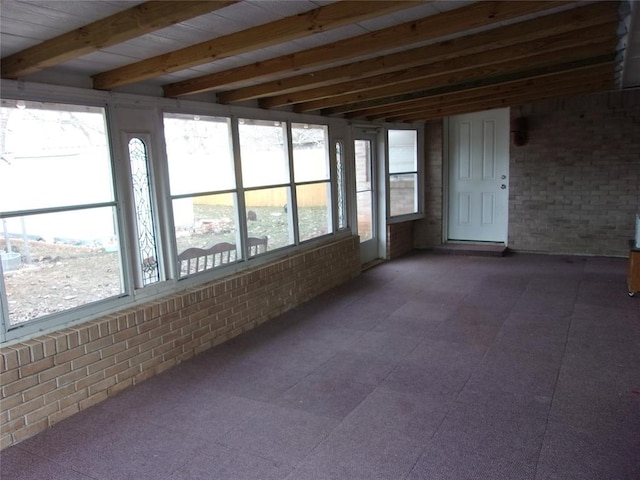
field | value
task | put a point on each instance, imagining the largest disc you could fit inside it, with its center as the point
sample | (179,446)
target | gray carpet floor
(525,367)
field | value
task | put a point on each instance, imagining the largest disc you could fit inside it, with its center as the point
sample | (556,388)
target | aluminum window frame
(110,102)
(420,146)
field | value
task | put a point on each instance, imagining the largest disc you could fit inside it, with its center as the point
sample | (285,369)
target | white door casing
(365,151)
(479,176)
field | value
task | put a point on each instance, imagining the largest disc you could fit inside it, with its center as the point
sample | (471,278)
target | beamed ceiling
(398,61)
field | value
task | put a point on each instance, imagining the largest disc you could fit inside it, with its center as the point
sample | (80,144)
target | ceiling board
(399,17)
(273,11)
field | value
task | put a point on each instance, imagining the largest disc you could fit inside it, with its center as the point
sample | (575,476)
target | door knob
(503,186)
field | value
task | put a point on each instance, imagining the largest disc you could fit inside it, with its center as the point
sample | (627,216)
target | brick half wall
(54,376)
(399,239)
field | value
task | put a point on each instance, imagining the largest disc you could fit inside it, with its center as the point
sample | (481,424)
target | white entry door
(479,176)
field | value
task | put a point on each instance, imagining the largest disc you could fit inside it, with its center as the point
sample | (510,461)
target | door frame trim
(379,166)
(446,128)
(445,180)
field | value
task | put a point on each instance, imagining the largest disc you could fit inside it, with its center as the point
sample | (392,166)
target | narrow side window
(145,225)
(341,184)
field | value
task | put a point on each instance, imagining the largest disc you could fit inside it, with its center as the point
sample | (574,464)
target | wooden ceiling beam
(508,101)
(120,27)
(504,94)
(551,61)
(513,53)
(459,97)
(528,31)
(290,28)
(357,107)
(460,19)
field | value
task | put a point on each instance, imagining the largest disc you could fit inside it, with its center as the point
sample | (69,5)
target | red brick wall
(54,376)
(575,186)
(399,239)
(428,232)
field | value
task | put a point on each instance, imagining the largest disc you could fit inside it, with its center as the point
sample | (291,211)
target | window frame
(134,250)
(171,197)
(144,123)
(341,189)
(68,316)
(287,122)
(419,172)
(330,181)
(116,125)
(289,185)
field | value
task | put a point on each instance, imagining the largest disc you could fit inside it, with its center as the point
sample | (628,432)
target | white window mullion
(164,205)
(4,310)
(242,235)
(292,197)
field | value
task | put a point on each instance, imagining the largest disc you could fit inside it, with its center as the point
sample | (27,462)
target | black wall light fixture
(520,131)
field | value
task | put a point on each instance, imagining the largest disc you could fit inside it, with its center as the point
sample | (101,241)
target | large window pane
(403,172)
(268,215)
(59,243)
(205,221)
(263,152)
(364,188)
(365,222)
(52,156)
(202,221)
(403,151)
(363,165)
(57,261)
(200,156)
(310,152)
(199,153)
(403,194)
(314,210)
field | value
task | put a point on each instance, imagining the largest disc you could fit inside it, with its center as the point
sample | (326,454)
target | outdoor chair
(258,245)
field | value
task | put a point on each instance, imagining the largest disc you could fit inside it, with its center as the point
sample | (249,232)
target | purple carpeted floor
(431,367)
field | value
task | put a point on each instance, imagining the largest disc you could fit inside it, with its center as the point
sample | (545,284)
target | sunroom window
(59,240)
(266,182)
(403,172)
(312,178)
(203,190)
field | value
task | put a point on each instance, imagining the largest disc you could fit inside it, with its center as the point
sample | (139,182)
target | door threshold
(371,264)
(476,249)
